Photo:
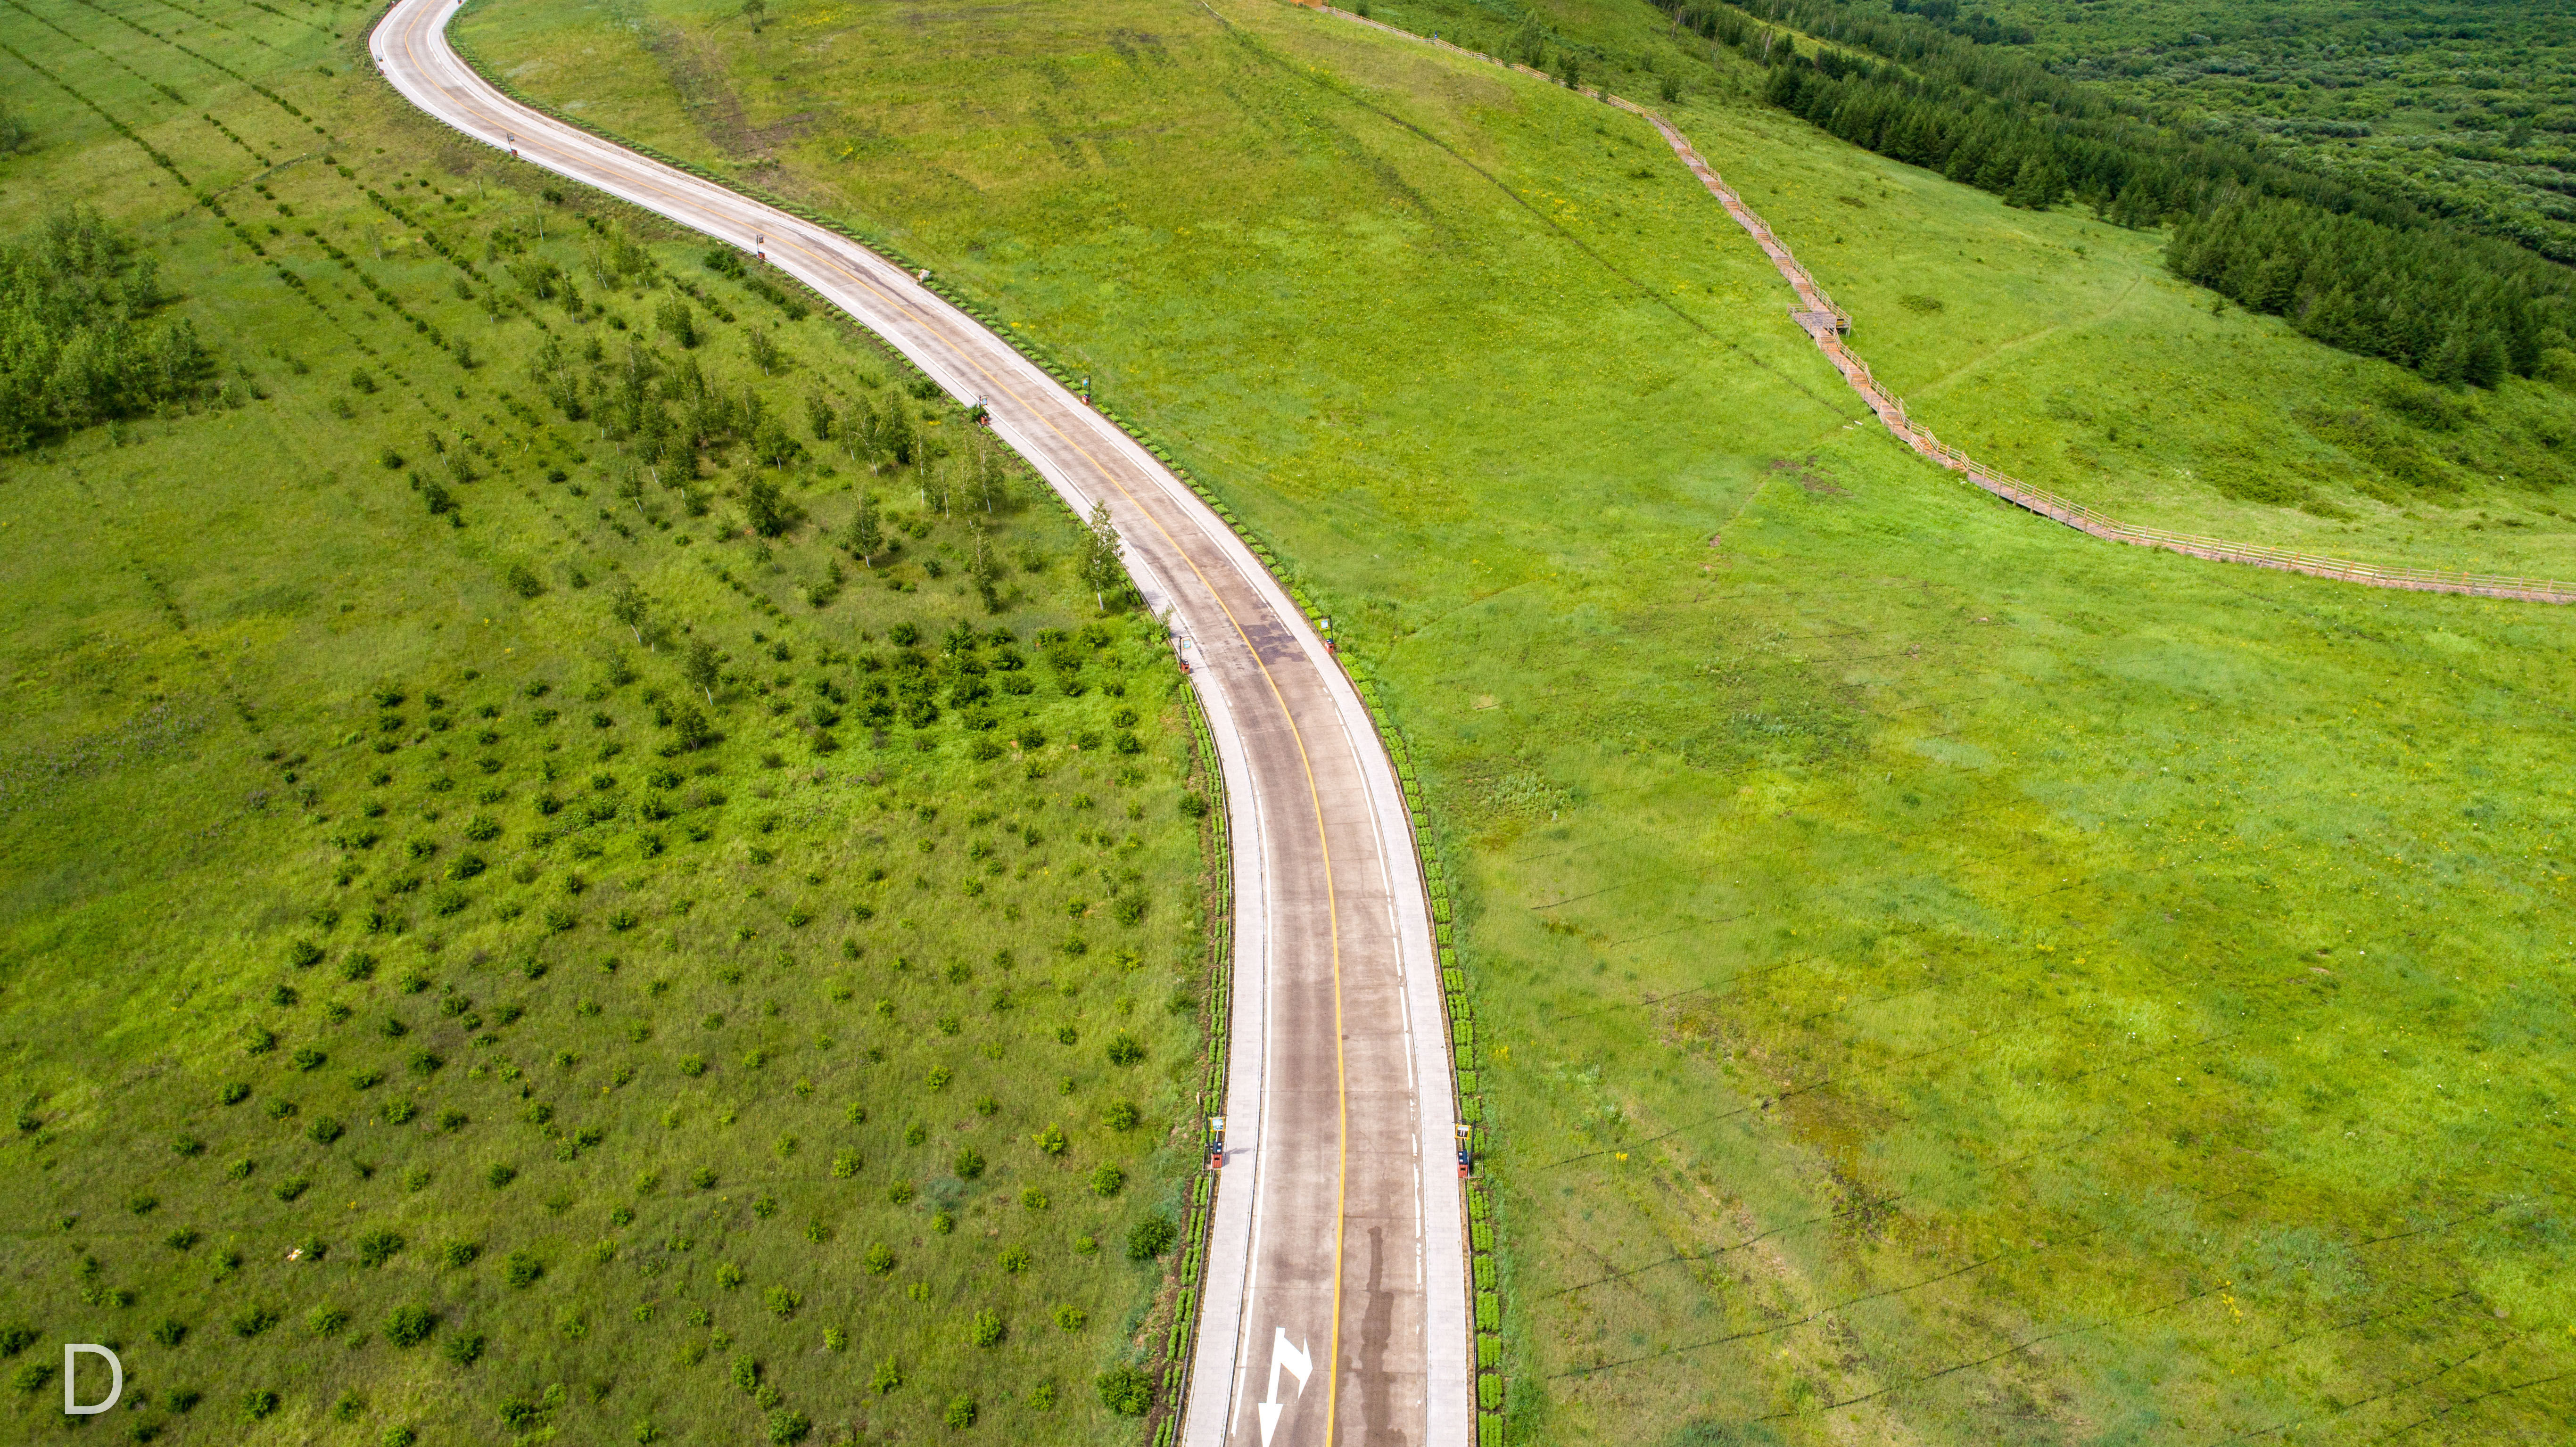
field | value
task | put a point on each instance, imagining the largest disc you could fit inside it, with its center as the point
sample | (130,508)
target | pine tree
(2484,364)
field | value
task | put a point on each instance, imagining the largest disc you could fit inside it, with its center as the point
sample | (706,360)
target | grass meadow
(1936,978)
(2056,346)
(503,938)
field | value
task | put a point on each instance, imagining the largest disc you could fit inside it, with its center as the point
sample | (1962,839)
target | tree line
(79,339)
(2359,271)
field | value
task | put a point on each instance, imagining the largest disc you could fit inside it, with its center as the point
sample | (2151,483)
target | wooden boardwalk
(1827,325)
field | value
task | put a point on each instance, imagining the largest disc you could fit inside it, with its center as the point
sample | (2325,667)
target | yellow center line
(938,322)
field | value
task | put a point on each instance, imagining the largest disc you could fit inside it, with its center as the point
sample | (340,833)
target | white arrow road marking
(1299,1365)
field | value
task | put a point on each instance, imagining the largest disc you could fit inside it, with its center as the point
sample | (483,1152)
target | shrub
(845,1165)
(169,1332)
(253,1320)
(1015,1259)
(1071,1318)
(788,1427)
(1126,1049)
(880,1259)
(464,1351)
(187,1145)
(398,1111)
(304,954)
(1151,1237)
(970,1163)
(888,1376)
(258,1404)
(1126,1390)
(1194,805)
(961,1413)
(500,1175)
(326,1321)
(782,1303)
(409,1326)
(746,1373)
(379,1246)
(986,1329)
(1107,1180)
(459,1254)
(729,1275)
(324,1131)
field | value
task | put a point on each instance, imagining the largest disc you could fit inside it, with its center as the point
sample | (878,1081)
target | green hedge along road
(1334,1306)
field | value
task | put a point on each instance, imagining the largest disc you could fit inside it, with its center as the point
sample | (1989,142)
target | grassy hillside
(1936,979)
(2057,346)
(509,929)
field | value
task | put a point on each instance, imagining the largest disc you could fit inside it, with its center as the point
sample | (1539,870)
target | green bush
(1126,1390)
(378,1247)
(986,1329)
(1151,1237)
(409,1326)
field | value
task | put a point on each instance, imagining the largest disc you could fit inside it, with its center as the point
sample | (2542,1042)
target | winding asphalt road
(1335,1304)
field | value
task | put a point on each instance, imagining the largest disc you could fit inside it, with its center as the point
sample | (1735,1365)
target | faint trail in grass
(2031,339)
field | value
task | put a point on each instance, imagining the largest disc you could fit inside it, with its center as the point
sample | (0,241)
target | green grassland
(1936,978)
(2057,347)
(506,940)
